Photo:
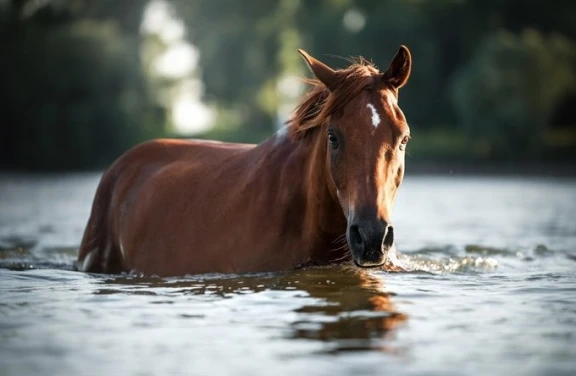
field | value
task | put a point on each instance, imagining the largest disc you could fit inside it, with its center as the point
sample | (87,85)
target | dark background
(492,82)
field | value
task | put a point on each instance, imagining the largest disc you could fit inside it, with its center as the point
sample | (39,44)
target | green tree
(239,55)
(73,91)
(506,95)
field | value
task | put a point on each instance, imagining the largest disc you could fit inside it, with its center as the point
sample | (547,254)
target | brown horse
(174,207)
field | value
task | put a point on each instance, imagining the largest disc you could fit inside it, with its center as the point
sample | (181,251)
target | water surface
(492,290)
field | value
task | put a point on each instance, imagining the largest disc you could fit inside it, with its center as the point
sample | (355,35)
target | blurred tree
(507,94)
(76,74)
(239,44)
(73,91)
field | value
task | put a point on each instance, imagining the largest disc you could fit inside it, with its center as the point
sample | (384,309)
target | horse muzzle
(370,242)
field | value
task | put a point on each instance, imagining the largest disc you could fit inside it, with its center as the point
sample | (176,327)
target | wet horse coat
(318,191)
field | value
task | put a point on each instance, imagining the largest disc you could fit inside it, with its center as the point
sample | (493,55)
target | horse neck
(322,220)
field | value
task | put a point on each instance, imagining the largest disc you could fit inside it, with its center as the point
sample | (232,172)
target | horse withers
(319,191)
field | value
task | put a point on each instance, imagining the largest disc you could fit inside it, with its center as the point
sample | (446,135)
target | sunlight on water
(448,265)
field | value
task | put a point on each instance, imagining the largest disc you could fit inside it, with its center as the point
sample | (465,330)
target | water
(492,290)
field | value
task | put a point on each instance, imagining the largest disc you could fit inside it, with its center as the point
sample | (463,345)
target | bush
(506,95)
(69,90)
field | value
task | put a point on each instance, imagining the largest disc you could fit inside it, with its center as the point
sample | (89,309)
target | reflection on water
(358,318)
(490,289)
(351,311)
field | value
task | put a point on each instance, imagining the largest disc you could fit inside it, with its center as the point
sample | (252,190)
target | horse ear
(399,70)
(324,73)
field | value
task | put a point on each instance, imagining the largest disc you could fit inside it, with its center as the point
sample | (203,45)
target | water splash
(465,264)
(474,258)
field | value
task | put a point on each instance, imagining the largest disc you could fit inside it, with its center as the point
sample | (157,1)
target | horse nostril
(355,237)
(388,240)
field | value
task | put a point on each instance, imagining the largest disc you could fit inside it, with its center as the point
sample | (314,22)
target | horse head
(366,134)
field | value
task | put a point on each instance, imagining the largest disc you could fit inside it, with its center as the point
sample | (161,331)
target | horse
(319,191)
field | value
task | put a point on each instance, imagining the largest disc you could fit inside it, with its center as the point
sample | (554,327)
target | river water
(491,290)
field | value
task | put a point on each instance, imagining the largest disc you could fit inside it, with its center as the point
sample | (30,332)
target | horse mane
(320,103)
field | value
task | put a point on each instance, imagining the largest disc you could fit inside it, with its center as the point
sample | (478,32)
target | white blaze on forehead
(375,116)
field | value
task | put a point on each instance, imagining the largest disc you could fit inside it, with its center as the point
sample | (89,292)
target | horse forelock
(320,103)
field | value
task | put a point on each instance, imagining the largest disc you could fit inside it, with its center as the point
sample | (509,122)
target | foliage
(239,44)
(507,94)
(78,88)
(72,92)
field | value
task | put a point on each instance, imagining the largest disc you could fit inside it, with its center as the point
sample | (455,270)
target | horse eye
(404,142)
(333,140)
